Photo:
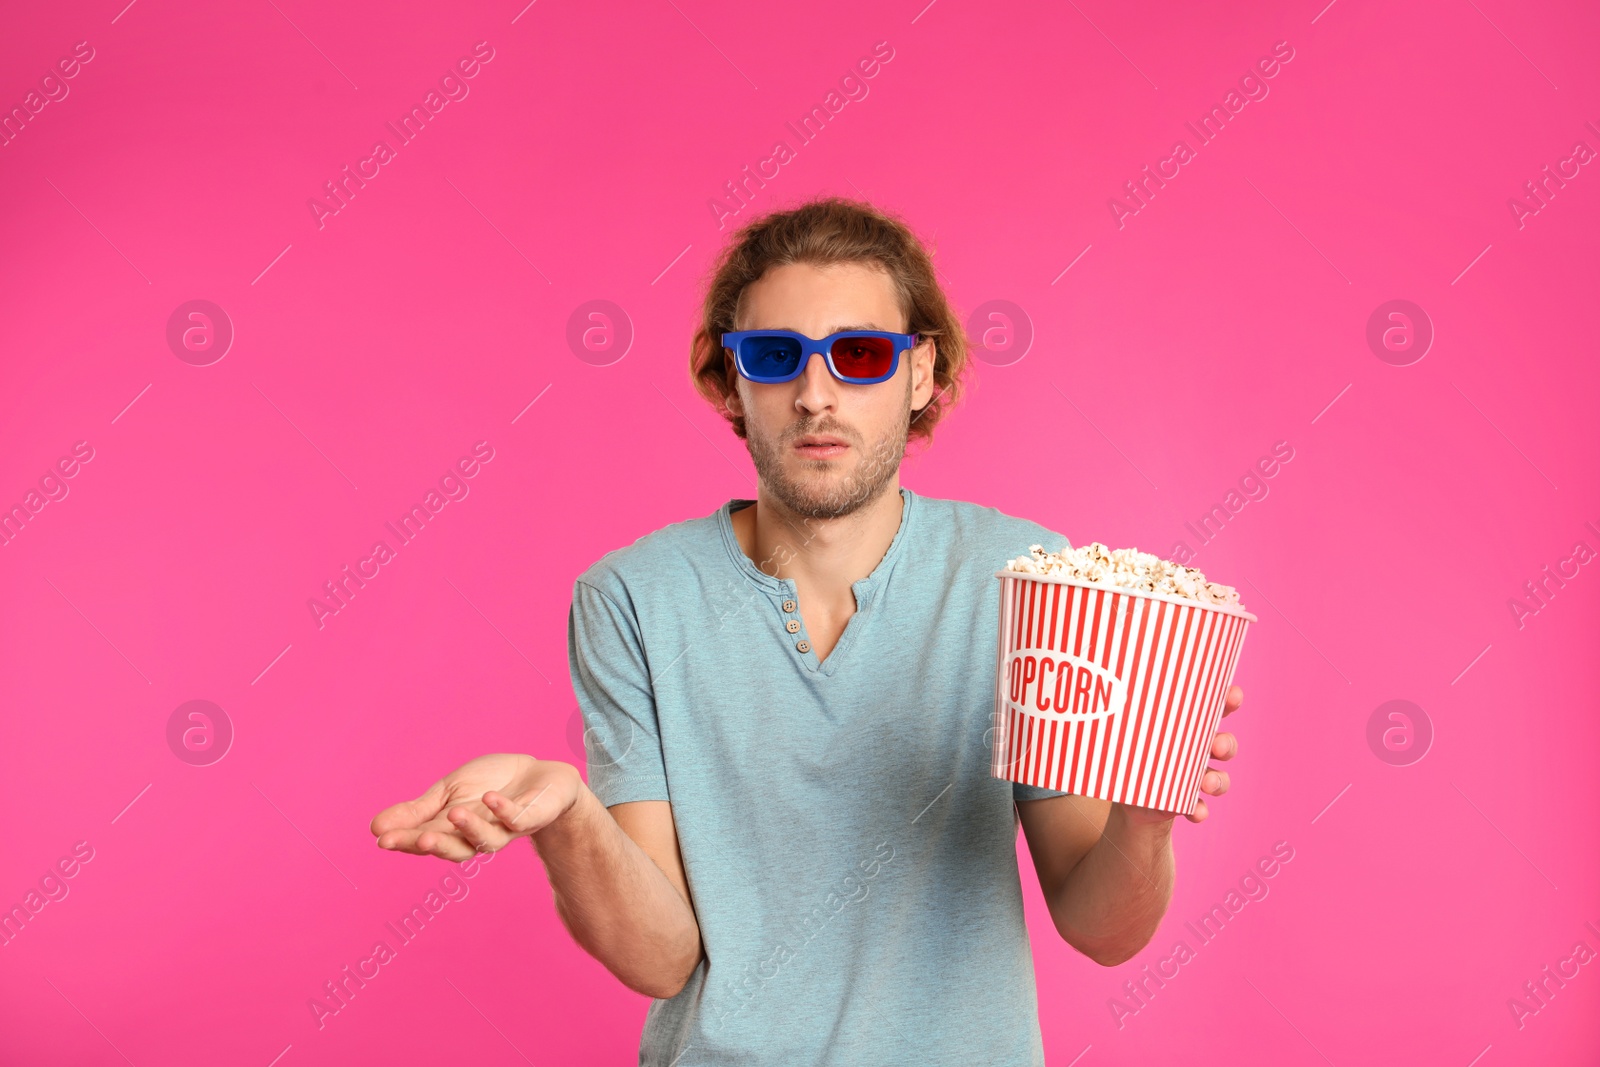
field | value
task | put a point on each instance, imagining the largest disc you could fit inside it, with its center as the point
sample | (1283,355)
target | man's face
(821,446)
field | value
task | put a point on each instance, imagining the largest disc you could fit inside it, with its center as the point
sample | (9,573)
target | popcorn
(1125,568)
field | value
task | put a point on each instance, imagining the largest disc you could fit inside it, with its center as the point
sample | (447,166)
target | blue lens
(771,357)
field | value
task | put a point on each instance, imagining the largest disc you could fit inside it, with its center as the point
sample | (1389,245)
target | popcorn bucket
(1110,693)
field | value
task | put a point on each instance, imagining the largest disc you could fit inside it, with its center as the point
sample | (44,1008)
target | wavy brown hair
(822,232)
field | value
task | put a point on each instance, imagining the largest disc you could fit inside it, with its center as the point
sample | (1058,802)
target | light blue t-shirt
(851,862)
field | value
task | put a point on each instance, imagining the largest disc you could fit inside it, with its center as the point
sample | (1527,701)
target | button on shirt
(850,860)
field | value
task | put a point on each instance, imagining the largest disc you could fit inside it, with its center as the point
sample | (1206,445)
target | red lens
(863,357)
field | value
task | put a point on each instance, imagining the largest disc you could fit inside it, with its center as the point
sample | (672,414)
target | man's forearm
(615,901)
(1109,906)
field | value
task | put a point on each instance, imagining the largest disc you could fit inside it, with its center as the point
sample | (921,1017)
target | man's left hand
(1223,747)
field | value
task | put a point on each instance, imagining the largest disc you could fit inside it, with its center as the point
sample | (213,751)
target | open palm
(479,807)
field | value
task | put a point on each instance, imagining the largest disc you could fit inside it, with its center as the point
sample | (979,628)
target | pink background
(1225,316)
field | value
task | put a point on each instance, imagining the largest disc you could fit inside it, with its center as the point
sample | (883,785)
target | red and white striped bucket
(1109,693)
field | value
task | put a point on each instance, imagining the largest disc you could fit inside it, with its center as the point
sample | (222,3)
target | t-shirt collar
(864,589)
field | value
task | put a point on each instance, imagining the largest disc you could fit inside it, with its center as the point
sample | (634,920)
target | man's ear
(731,399)
(922,360)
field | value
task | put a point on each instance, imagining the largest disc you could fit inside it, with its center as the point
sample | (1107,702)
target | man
(790,837)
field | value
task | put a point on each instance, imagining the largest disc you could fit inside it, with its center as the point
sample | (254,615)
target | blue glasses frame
(810,346)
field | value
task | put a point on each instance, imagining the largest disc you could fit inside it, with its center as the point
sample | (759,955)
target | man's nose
(819,390)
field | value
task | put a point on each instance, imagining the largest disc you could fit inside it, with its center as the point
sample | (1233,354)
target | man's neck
(826,555)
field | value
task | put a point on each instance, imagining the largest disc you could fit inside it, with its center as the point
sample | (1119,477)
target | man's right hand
(616,873)
(480,807)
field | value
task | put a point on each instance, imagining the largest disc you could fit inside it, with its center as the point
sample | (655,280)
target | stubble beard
(814,494)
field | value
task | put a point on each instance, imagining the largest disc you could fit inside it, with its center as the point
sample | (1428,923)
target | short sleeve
(1019,791)
(610,678)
